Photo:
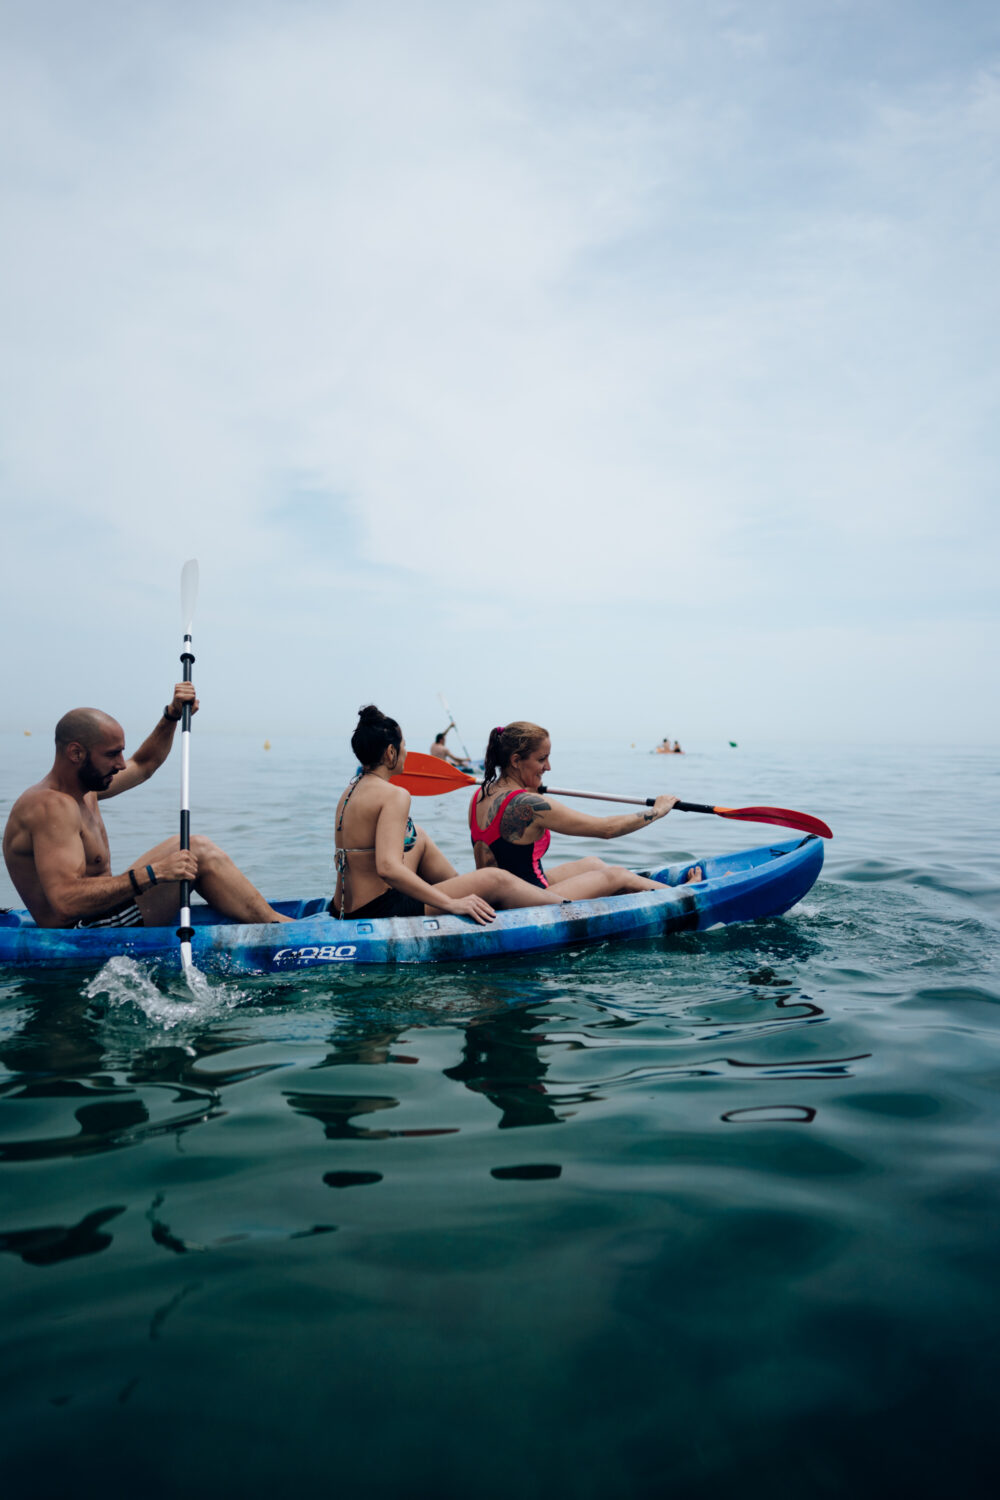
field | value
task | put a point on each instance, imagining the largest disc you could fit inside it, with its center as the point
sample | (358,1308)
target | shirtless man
(56,845)
(440,749)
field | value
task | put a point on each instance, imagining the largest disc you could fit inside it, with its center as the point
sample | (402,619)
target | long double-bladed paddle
(189,598)
(426,776)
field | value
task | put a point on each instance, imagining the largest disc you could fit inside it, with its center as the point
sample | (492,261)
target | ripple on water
(45,1118)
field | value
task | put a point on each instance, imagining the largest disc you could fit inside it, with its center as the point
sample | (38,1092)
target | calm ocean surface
(713,1215)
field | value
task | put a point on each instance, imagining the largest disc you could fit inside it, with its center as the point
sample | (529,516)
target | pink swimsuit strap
(491,832)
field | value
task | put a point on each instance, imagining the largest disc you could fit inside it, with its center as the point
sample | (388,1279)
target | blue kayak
(739,887)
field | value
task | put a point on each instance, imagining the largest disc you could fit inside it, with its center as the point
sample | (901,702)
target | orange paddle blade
(427,776)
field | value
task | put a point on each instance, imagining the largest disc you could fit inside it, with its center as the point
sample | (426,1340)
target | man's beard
(91,779)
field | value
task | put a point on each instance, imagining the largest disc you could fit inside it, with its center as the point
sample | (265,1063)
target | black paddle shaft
(685,806)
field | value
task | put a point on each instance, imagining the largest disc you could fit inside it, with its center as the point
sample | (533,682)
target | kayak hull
(744,886)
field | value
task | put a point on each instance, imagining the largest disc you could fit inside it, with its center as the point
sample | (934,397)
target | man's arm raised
(156,747)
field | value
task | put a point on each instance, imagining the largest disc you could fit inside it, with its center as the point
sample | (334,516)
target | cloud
(506,316)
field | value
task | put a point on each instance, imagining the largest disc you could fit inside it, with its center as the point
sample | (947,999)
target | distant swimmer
(386,865)
(511,821)
(440,749)
(56,845)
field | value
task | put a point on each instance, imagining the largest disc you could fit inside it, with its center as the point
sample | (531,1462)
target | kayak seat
(311,906)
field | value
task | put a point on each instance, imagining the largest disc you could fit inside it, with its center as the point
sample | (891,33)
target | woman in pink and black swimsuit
(512,822)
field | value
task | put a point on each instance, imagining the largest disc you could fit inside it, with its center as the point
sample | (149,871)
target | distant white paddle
(453,725)
(189,598)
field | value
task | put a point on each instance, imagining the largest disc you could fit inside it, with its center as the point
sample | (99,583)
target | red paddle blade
(427,776)
(783,816)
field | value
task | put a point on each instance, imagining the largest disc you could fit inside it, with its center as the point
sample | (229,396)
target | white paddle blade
(189,593)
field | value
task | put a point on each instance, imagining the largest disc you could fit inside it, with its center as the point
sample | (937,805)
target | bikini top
(340,855)
(520,854)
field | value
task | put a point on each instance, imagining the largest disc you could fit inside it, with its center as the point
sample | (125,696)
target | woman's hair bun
(374,734)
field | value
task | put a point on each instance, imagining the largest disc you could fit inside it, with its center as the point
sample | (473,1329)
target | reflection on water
(122,1087)
(164,1236)
(335,1112)
(110,1124)
(55,1242)
(351,1179)
(530,1172)
(501,1059)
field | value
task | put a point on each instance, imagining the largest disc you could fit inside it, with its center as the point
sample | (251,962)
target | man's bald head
(86,727)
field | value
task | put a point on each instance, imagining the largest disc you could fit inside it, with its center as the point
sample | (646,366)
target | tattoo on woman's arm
(519,815)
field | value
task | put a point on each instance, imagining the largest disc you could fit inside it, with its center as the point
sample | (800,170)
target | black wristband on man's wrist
(172,718)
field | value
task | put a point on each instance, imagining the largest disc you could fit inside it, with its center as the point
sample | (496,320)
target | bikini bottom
(390,904)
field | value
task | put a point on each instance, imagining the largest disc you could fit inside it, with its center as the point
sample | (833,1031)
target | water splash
(198,986)
(176,1000)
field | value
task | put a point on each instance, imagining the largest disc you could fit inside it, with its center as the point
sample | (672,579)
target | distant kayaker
(56,849)
(440,749)
(512,822)
(386,865)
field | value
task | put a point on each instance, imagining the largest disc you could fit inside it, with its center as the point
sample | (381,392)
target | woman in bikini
(388,867)
(511,821)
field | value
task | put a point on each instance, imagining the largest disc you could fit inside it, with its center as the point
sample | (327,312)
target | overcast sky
(627,365)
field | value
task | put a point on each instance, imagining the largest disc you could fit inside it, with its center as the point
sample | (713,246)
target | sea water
(708,1215)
